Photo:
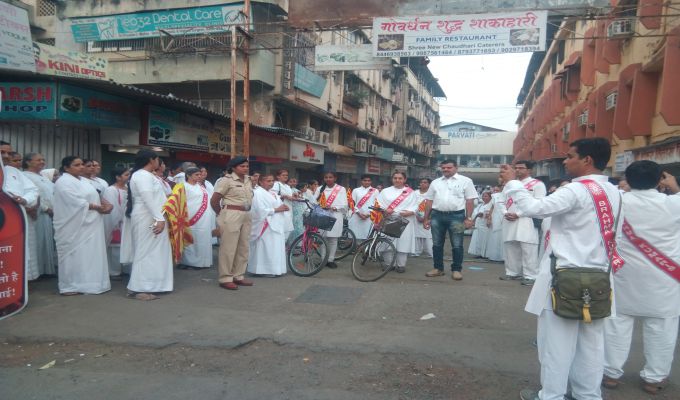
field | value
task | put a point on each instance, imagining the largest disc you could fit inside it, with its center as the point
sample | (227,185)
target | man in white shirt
(520,236)
(448,207)
(571,352)
(648,285)
(364,197)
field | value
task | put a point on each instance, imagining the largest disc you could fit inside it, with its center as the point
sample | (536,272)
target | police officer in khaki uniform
(231,202)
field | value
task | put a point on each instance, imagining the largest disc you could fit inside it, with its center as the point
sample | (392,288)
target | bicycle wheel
(306,258)
(373,259)
(346,244)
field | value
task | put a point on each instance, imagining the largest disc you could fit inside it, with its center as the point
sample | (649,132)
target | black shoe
(331,265)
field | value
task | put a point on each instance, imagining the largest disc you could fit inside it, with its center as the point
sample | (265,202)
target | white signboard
(347,58)
(306,152)
(16,45)
(455,35)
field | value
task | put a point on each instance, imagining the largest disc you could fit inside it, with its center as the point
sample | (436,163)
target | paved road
(324,337)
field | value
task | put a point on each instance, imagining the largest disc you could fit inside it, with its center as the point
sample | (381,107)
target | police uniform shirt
(234,190)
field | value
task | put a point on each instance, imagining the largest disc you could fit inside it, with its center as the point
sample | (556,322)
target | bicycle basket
(319,218)
(392,225)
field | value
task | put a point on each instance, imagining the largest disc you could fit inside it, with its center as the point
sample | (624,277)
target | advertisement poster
(348,58)
(89,107)
(196,20)
(306,152)
(50,60)
(456,35)
(13,285)
(16,45)
(177,130)
(28,101)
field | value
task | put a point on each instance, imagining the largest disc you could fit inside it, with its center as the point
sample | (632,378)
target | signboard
(660,154)
(89,107)
(455,35)
(50,60)
(28,101)
(346,164)
(623,160)
(348,58)
(373,166)
(308,81)
(350,113)
(150,24)
(385,153)
(16,45)
(306,152)
(219,140)
(13,285)
(177,130)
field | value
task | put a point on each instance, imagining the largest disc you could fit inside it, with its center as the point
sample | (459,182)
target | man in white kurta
(520,236)
(407,207)
(79,234)
(644,290)
(364,197)
(267,235)
(423,236)
(26,194)
(199,254)
(570,351)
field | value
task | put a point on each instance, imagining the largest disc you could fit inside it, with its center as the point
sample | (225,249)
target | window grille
(46,8)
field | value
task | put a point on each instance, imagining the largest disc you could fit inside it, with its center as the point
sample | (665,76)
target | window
(46,8)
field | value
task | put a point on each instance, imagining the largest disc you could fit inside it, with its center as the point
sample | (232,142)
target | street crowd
(88,232)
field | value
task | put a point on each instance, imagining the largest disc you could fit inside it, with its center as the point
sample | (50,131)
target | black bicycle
(346,243)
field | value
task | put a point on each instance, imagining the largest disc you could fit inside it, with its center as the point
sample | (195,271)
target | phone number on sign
(458,52)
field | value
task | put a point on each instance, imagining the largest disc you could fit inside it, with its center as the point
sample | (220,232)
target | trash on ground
(49,364)
(428,316)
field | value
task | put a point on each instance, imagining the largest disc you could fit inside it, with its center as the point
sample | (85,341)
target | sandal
(143,296)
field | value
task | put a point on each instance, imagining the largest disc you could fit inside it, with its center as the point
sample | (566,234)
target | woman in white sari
(285,192)
(267,234)
(401,200)
(45,250)
(480,234)
(333,197)
(116,194)
(79,232)
(145,242)
(199,254)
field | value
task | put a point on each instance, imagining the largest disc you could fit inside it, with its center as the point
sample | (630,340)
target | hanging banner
(348,58)
(169,128)
(50,60)
(455,35)
(16,45)
(13,284)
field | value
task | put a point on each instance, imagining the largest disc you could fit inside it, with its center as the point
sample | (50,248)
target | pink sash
(365,198)
(605,218)
(656,257)
(201,210)
(400,199)
(333,195)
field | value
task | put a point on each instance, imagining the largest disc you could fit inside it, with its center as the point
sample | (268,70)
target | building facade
(615,77)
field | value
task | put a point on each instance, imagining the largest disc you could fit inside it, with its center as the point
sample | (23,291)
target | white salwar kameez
(199,254)
(283,189)
(480,235)
(150,254)
(98,184)
(423,236)
(17,184)
(267,245)
(494,250)
(643,290)
(340,204)
(361,227)
(44,229)
(114,222)
(406,244)
(79,233)
(213,217)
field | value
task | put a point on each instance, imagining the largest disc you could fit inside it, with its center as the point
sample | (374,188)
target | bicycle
(346,243)
(308,253)
(376,256)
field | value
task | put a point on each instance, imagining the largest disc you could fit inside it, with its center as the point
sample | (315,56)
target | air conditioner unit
(620,28)
(324,137)
(361,145)
(307,132)
(583,119)
(373,149)
(610,103)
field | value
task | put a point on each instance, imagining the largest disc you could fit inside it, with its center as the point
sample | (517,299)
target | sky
(481,89)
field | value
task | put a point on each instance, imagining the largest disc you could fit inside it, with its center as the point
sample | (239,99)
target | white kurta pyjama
(480,235)
(407,242)
(150,254)
(17,184)
(79,234)
(199,254)
(282,189)
(645,291)
(361,227)
(495,251)
(44,229)
(267,245)
(570,351)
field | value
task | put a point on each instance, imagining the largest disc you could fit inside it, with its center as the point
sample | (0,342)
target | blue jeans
(441,222)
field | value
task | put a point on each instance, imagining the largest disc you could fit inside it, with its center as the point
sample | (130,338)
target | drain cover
(320,294)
